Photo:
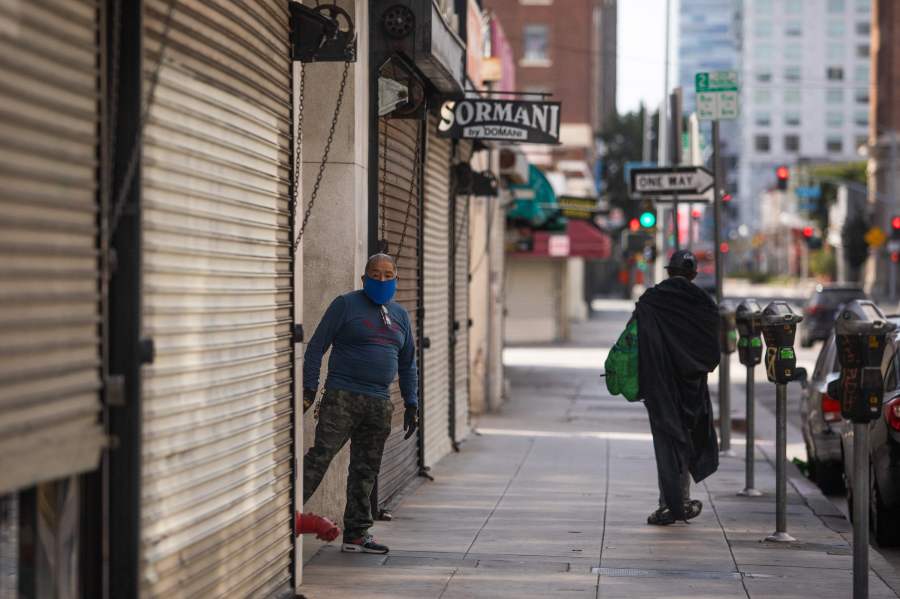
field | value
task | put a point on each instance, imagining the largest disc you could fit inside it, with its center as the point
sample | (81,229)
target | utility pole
(675,103)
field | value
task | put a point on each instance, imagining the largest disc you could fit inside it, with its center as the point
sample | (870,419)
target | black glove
(309,398)
(410,420)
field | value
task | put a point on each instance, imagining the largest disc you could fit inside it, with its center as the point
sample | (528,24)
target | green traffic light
(648,219)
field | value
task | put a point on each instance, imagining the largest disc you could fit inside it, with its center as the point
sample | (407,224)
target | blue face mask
(380,292)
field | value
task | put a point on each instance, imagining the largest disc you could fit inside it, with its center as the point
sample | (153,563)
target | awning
(580,240)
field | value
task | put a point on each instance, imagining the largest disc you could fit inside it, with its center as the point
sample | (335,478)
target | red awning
(581,239)
(587,241)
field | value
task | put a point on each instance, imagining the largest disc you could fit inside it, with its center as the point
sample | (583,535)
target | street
(551,495)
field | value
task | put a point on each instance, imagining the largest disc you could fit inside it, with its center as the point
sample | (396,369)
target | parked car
(884,452)
(820,415)
(821,309)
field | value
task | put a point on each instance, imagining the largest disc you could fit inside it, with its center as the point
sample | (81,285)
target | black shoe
(661,517)
(692,509)
(366,544)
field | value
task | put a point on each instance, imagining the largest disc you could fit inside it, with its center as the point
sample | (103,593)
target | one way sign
(670,180)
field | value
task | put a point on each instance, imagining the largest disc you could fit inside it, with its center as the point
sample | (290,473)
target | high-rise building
(709,40)
(805,88)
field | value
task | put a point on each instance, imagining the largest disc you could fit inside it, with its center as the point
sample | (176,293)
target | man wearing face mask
(371,343)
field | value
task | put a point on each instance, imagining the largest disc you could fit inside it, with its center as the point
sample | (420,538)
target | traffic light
(634,225)
(647,219)
(808,232)
(724,247)
(895,227)
(782,174)
(813,241)
(726,197)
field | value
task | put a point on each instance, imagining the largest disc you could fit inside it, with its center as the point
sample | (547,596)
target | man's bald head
(381,267)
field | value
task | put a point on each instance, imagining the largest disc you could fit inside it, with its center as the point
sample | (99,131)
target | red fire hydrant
(322,527)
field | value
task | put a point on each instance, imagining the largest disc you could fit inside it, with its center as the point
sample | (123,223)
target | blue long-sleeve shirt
(366,354)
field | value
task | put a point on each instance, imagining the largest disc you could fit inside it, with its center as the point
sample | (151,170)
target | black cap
(682,262)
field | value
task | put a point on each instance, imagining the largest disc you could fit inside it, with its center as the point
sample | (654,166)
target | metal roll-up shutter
(436,381)
(50,306)
(216,498)
(460,323)
(400,218)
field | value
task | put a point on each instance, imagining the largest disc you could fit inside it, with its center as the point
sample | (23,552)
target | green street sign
(716,81)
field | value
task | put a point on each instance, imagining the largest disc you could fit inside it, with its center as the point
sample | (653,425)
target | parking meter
(748,317)
(727,328)
(861,330)
(779,325)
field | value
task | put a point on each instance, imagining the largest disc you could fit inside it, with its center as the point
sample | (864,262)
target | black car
(821,309)
(884,451)
(820,415)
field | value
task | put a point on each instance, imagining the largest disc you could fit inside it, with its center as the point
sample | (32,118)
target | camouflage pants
(366,422)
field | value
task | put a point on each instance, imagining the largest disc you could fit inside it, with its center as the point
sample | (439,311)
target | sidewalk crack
(737,569)
(502,495)
(605,510)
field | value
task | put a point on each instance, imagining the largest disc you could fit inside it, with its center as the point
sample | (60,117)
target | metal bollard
(748,318)
(779,325)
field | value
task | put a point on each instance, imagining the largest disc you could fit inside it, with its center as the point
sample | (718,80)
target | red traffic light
(895,223)
(696,213)
(895,257)
(782,173)
(726,198)
(635,225)
(807,232)
(724,247)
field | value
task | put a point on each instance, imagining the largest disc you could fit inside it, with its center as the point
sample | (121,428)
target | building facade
(884,136)
(805,73)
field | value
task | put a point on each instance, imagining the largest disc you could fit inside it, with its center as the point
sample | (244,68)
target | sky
(642,43)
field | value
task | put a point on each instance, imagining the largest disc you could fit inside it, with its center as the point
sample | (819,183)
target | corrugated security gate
(217,452)
(50,365)
(460,311)
(400,219)
(436,381)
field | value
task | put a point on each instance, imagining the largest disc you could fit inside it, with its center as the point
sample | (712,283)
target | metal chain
(122,197)
(414,188)
(325,152)
(298,147)
(383,244)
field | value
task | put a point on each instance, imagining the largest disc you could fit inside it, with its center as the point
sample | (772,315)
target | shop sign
(505,120)
(578,208)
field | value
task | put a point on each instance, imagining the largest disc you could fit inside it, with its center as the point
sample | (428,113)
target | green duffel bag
(622,364)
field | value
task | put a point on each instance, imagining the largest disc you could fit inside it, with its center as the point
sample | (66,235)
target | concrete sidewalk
(550,499)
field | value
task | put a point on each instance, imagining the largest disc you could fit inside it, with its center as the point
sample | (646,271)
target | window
(835,6)
(834,52)
(763,7)
(535,43)
(763,29)
(792,143)
(761,143)
(793,29)
(792,73)
(834,119)
(762,119)
(834,144)
(890,377)
(792,119)
(862,51)
(762,96)
(861,73)
(793,7)
(836,28)
(861,118)
(863,29)
(861,96)
(764,75)
(864,7)
(764,53)
(793,53)
(834,96)
(834,73)
(792,96)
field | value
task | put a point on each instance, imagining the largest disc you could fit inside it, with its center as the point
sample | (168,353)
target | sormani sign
(503,120)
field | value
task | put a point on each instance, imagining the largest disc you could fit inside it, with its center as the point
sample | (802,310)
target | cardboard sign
(505,120)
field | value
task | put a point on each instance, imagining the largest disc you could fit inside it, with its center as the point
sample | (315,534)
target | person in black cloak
(678,346)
